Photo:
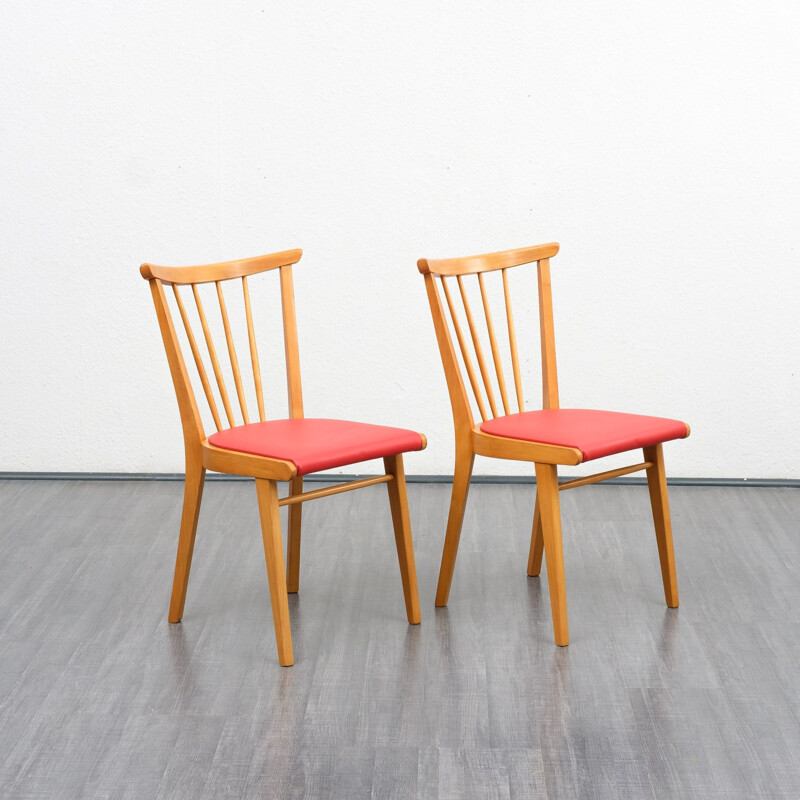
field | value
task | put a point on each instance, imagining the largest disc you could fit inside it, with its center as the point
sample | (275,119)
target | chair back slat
(201,371)
(232,321)
(464,351)
(476,343)
(461,268)
(191,421)
(291,348)
(237,377)
(212,353)
(547,337)
(498,364)
(251,337)
(459,400)
(512,343)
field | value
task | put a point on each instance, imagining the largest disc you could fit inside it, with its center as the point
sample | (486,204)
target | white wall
(658,142)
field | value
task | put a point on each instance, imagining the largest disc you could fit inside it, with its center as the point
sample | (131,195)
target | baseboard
(793,483)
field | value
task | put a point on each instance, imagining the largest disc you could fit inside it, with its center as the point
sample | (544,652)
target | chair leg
(657,483)
(267,492)
(192,496)
(537,542)
(458,501)
(398,501)
(550,514)
(293,543)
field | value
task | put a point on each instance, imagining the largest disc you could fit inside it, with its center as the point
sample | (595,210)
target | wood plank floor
(101,698)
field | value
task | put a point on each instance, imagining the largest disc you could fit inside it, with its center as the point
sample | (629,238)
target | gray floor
(100,697)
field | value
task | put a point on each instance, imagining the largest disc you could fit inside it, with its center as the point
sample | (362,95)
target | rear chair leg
(657,483)
(458,502)
(398,501)
(293,543)
(537,542)
(267,492)
(192,495)
(550,513)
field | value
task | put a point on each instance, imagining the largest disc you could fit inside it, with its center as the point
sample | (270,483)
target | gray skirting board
(793,483)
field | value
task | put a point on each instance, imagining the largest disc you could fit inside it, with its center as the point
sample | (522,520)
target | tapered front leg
(192,496)
(657,483)
(458,502)
(293,544)
(398,501)
(537,542)
(273,551)
(550,511)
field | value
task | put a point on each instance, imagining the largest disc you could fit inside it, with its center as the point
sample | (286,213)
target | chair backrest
(176,277)
(440,273)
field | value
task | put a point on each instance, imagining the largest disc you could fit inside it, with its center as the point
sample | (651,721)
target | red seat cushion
(317,444)
(594,433)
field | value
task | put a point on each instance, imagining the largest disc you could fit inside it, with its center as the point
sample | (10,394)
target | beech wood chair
(548,437)
(269,451)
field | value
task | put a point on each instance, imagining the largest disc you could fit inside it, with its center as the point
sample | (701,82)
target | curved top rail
(487,262)
(222,271)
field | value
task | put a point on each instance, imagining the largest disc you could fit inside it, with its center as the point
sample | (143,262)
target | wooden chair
(269,451)
(548,437)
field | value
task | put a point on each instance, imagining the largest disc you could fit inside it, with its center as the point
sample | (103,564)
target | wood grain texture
(598,477)
(659,500)
(101,697)
(191,422)
(498,363)
(192,497)
(295,498)
(488,262)
(290,344)
(462,413)
(222,271)
(536,549)
(267,492)
(455,519)
(198,359)
(237,376)
(476,344)
(484,444)
(512,343)
(212,354)
(547,337)
(235,463)
(550,516)
(398,503)
(465,354)
(251,339)
(293,538)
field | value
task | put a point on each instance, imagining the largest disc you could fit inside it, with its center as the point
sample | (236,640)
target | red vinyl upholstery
(317,444)
(594,433)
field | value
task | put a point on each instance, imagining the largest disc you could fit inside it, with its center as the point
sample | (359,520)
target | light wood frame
(202,456)
(471,441)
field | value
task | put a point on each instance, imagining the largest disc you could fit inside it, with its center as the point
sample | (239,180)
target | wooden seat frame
(202,456)
(471,441)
